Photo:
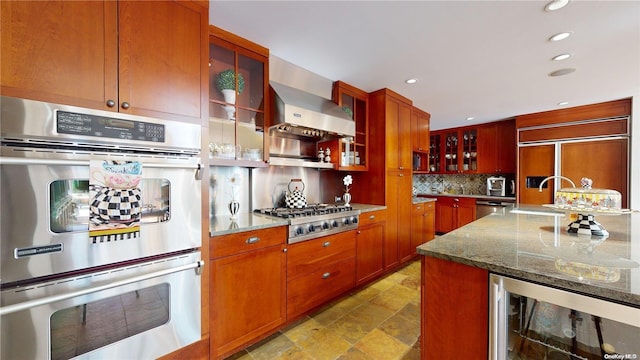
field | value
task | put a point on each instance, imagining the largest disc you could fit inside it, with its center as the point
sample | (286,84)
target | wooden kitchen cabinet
(457,150)
(454,212)
(497,147)
(247,288)
(454,310)
(238,118)
(389,179)
(318,270)
(420,139)
(355,101)
(135,57)
(370,240)
(422,225)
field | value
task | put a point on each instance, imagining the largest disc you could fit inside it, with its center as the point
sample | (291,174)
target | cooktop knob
(325,225)
(335,223)
(354,220)
(346,221)
(299,231)
(311,228)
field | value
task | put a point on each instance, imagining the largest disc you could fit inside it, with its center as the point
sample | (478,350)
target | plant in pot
(226,82)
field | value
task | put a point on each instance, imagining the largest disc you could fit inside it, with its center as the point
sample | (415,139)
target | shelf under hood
(300,113)
(286,161)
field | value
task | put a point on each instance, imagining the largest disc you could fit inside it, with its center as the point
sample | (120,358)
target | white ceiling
(486,59)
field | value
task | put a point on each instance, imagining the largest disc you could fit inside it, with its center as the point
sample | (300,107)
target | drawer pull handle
(371,217)
(326,243)
(326,275)
(253,240)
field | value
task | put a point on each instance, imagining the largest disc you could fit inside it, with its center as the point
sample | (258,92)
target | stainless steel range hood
(297,113)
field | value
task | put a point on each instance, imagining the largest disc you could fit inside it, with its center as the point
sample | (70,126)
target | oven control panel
(101,126)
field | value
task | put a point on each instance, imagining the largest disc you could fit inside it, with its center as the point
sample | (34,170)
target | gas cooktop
(315,220)
(309,210)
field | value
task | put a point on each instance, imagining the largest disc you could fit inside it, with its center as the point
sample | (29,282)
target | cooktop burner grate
(309,210)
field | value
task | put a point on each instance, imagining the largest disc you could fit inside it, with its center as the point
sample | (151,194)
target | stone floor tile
(276,346)
(354,354)
(323,344)
(381,346)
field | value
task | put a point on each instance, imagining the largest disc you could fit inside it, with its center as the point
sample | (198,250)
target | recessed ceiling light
(560,36)
(563,103)
(411,81)
(562,72)
(470,118)
(556,5)
(561,57)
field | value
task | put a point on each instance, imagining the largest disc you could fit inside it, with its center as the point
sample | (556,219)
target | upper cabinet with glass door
(238,100)
(352,153)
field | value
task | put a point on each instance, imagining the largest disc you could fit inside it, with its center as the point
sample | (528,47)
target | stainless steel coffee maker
(496,186)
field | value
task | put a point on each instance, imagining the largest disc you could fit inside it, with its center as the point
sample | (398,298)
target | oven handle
(23,161)
(51,299)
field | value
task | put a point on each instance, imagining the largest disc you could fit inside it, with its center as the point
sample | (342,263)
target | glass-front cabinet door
(238,106)
(470,150)
(451,146)
(434,153)
(353,153)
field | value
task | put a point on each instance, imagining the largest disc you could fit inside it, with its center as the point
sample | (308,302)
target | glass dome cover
(587,199)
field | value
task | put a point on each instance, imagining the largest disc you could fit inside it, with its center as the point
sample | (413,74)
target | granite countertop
(475,196)
(537,248)
(420,200)
(223,225)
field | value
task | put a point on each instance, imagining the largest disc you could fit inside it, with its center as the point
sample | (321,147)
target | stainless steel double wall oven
(100,233)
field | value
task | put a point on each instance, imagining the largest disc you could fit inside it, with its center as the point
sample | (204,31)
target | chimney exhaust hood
(300,114)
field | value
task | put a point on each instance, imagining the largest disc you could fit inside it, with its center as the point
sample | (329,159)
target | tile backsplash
(468,184)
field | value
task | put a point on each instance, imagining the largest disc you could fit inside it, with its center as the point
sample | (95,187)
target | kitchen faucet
(552,177)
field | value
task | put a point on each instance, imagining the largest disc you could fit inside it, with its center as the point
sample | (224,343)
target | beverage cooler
(531,321)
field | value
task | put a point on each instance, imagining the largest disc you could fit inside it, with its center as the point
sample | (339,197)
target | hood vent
(304,115)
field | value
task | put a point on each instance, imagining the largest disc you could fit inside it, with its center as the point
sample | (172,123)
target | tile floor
(378,322)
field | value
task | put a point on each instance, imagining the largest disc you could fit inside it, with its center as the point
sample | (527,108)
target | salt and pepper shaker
(320,155)
(327,153)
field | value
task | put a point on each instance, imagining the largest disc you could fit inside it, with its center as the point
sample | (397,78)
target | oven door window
(83,328)
(69,204)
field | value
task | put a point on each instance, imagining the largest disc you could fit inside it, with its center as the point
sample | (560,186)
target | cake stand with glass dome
(588,202)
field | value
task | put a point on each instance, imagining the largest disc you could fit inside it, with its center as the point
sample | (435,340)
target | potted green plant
(226,83)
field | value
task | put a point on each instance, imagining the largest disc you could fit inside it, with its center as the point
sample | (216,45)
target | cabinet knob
(358,232)
(125,105)
(401,175)
(401,168)
(326,243)
(371,217)
(326,275)
(111,103)
(284,250)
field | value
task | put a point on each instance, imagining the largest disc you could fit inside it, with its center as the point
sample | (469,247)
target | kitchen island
(533,246)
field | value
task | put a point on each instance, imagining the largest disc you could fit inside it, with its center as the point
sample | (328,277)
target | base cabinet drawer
(305,257)
(314,288)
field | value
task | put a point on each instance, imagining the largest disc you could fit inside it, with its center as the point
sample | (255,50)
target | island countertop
(538,248)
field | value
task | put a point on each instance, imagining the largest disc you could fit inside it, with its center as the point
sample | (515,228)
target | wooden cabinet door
(247,298)
(454,294)
(163,59)
(429,222)
(466,211)
(391,236)
(445,215)
(420,130)
(487,149)
(60,51)
(370,246)
(604,162)
(535,161)
(417,225)
(506,146)
(398,134)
